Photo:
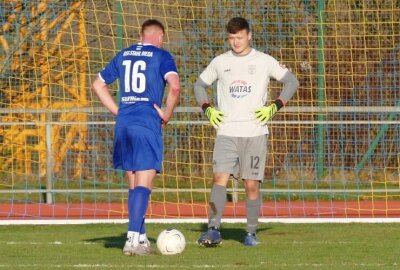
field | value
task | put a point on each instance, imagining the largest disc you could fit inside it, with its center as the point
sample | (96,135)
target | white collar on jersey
(145,44)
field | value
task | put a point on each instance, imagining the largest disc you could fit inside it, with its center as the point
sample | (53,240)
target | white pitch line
(310,220)
(201,266)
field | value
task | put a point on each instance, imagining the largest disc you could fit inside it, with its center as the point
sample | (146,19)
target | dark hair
(152,22)
(237,24)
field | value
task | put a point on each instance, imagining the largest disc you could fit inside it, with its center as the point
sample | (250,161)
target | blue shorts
(137,148)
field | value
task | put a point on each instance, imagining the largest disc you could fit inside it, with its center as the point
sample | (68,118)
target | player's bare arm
(102,91)
(172,98)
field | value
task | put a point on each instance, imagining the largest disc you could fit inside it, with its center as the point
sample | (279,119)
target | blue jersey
(141,70)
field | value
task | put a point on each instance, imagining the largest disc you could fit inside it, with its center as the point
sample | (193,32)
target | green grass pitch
(283,246)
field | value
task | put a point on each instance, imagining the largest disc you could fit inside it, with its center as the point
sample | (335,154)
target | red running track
(352,209)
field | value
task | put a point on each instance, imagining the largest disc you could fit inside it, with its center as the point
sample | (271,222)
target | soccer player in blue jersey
(143,70)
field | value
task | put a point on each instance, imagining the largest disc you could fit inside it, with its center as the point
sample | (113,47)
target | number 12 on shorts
(254,162)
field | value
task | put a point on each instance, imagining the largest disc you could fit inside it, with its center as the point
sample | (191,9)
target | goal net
(333,151)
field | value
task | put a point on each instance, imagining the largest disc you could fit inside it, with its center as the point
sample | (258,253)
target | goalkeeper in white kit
(240,117)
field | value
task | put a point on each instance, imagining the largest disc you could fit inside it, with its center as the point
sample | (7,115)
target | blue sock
(143,228)
(138,201)
(130,202)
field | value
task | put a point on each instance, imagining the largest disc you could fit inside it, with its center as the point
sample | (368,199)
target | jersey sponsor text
(132,99)
(138,53)
(239,89)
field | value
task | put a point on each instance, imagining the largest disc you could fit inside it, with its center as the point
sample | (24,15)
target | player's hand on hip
(164,119)
(265,113)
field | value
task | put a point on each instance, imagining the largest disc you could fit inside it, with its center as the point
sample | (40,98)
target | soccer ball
(171,242)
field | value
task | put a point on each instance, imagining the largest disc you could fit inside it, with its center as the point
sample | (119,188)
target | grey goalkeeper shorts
(243,157)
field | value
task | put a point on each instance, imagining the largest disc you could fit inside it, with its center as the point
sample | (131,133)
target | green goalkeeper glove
(265,113)
(214,116)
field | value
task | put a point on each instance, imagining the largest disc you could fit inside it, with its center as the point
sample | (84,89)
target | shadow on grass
(114,241)
(235,234)
(228,233)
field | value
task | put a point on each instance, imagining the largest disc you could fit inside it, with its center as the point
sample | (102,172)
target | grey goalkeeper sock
(252,213)
(217,205)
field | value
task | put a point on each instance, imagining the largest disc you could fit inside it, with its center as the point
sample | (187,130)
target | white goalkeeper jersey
(242,88)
